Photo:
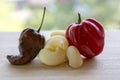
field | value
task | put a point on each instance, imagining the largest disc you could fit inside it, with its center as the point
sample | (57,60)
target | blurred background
(16,15)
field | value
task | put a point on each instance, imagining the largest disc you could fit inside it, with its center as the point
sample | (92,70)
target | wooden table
(106,66)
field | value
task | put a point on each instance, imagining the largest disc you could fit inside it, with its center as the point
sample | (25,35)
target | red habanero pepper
(88,36)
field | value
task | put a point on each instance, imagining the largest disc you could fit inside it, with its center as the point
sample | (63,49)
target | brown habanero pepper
(30,43)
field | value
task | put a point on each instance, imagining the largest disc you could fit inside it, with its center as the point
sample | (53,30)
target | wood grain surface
(106,66)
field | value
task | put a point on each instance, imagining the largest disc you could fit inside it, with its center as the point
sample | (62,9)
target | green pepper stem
(42,20)
(79,18)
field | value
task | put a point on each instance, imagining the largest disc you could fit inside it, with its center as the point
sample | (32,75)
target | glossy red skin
(88,37)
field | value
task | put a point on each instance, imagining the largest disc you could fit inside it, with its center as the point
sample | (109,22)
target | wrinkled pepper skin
(30,43)
(88,36)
